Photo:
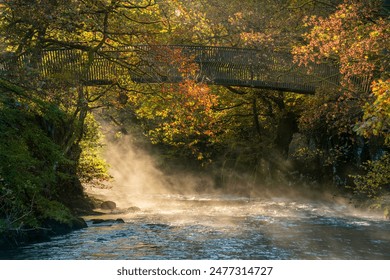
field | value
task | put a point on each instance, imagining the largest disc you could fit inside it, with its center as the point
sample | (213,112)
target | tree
(44,122)
(355,38)
(376,117)
(179,114)
(249,118)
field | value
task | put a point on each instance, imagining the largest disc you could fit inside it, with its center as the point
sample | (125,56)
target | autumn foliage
(181,112)
(353,37)
(376,118)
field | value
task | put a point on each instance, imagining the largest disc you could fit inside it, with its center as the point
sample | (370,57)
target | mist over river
(224,227)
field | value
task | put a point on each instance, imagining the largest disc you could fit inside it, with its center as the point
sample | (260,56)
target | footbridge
(255,68)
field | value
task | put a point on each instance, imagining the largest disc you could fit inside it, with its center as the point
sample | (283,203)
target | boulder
(133,209)
(107,221)
(298,143)
(108,205)
(128,210)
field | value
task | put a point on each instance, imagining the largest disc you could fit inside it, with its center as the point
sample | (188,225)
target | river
(224,227)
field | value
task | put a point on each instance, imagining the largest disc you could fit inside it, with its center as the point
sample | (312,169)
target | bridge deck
(215,65)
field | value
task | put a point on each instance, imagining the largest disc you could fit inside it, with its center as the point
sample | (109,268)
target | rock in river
(108,205)
(107,221)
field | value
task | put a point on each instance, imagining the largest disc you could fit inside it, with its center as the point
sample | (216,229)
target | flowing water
(183,216)
(224,227)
